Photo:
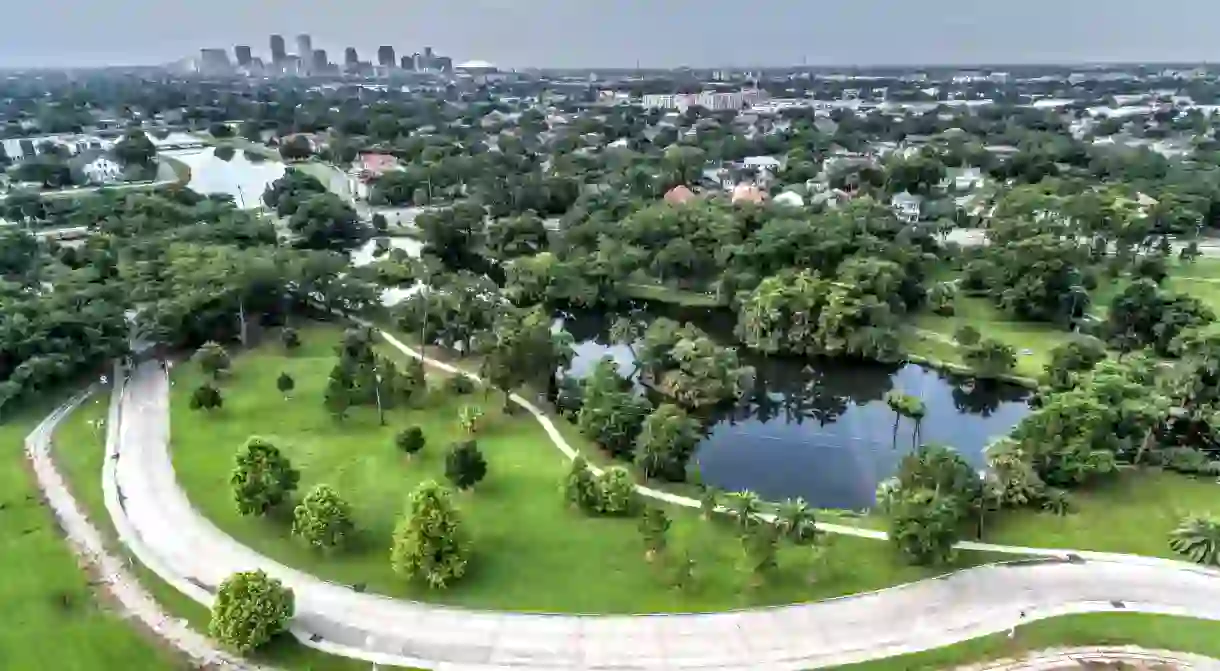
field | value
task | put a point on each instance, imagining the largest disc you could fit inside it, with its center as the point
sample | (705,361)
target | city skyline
(710,33)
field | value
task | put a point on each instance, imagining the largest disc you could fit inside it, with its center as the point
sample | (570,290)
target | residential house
(907,207)
(790,199)
(103,170)
(679,195)
(717,178)
(366,169)
(826,125)
(962,180)
(748,193)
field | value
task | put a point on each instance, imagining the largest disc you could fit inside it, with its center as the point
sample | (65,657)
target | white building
(711,100)
(907,207)
(103,170)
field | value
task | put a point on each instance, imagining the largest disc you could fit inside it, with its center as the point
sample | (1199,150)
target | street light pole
(377,393)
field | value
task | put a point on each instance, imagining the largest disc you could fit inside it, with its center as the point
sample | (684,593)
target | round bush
(249,609)
(616,492)
(465,465)
(459,385)
(410,440)
(323,519)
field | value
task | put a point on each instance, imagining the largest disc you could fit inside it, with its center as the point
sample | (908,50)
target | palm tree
(916,412)
(745,506)
(909,407)
(1198,538)
(796,521)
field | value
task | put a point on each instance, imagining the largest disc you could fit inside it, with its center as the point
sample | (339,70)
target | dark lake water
(819,429)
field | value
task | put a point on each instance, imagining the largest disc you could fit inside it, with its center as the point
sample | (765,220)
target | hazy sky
(577,33)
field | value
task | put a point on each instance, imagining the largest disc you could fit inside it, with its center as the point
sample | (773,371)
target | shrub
(924,527)
(290,338)
(580,487)
(1198,539)
(1185,460)
(459,385)
(464,465)
(665,443)
(429,541)
(285,383)
(410,440)
(616,492)
(654,525)
(470,417)
(262,477)
(323,519)
(249,609)
(1057,501)
(206,397)
(212,358)
(967,336)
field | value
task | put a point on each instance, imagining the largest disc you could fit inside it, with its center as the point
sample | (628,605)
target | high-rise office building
(406,63)
(213,61)
(304,47)
(243,55)
(385,57)
(277,49)
(442,63)
(319,62)
(428,53)
(350,57)
(417,62)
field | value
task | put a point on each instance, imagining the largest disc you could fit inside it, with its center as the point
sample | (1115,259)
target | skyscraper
(385,56)
(242,53)
(319,63)
(407,63)
(304,47)
(213,61)
(350,57)
(277,49)
(417,62)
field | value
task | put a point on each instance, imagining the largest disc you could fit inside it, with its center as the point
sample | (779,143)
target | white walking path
(159,525)
(130,597)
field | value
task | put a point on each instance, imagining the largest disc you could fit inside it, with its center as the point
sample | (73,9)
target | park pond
(239,177)
(821,429)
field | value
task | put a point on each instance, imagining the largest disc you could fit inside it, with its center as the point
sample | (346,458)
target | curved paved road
(159,525)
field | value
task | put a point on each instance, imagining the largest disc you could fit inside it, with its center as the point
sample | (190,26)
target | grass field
(660,293)
(49,605)
(79,454)
(1033,342)
(529,549)
(1133,513)
(1180,634)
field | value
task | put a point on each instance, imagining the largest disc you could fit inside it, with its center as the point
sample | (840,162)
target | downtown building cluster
(310,61)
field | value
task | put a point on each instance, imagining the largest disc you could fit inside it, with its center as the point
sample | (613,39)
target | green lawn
(531,553)
(1200,279)
(49,606)
(1179,634)
(80,450)
(1133,513)
(1032,341)
(660,293)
